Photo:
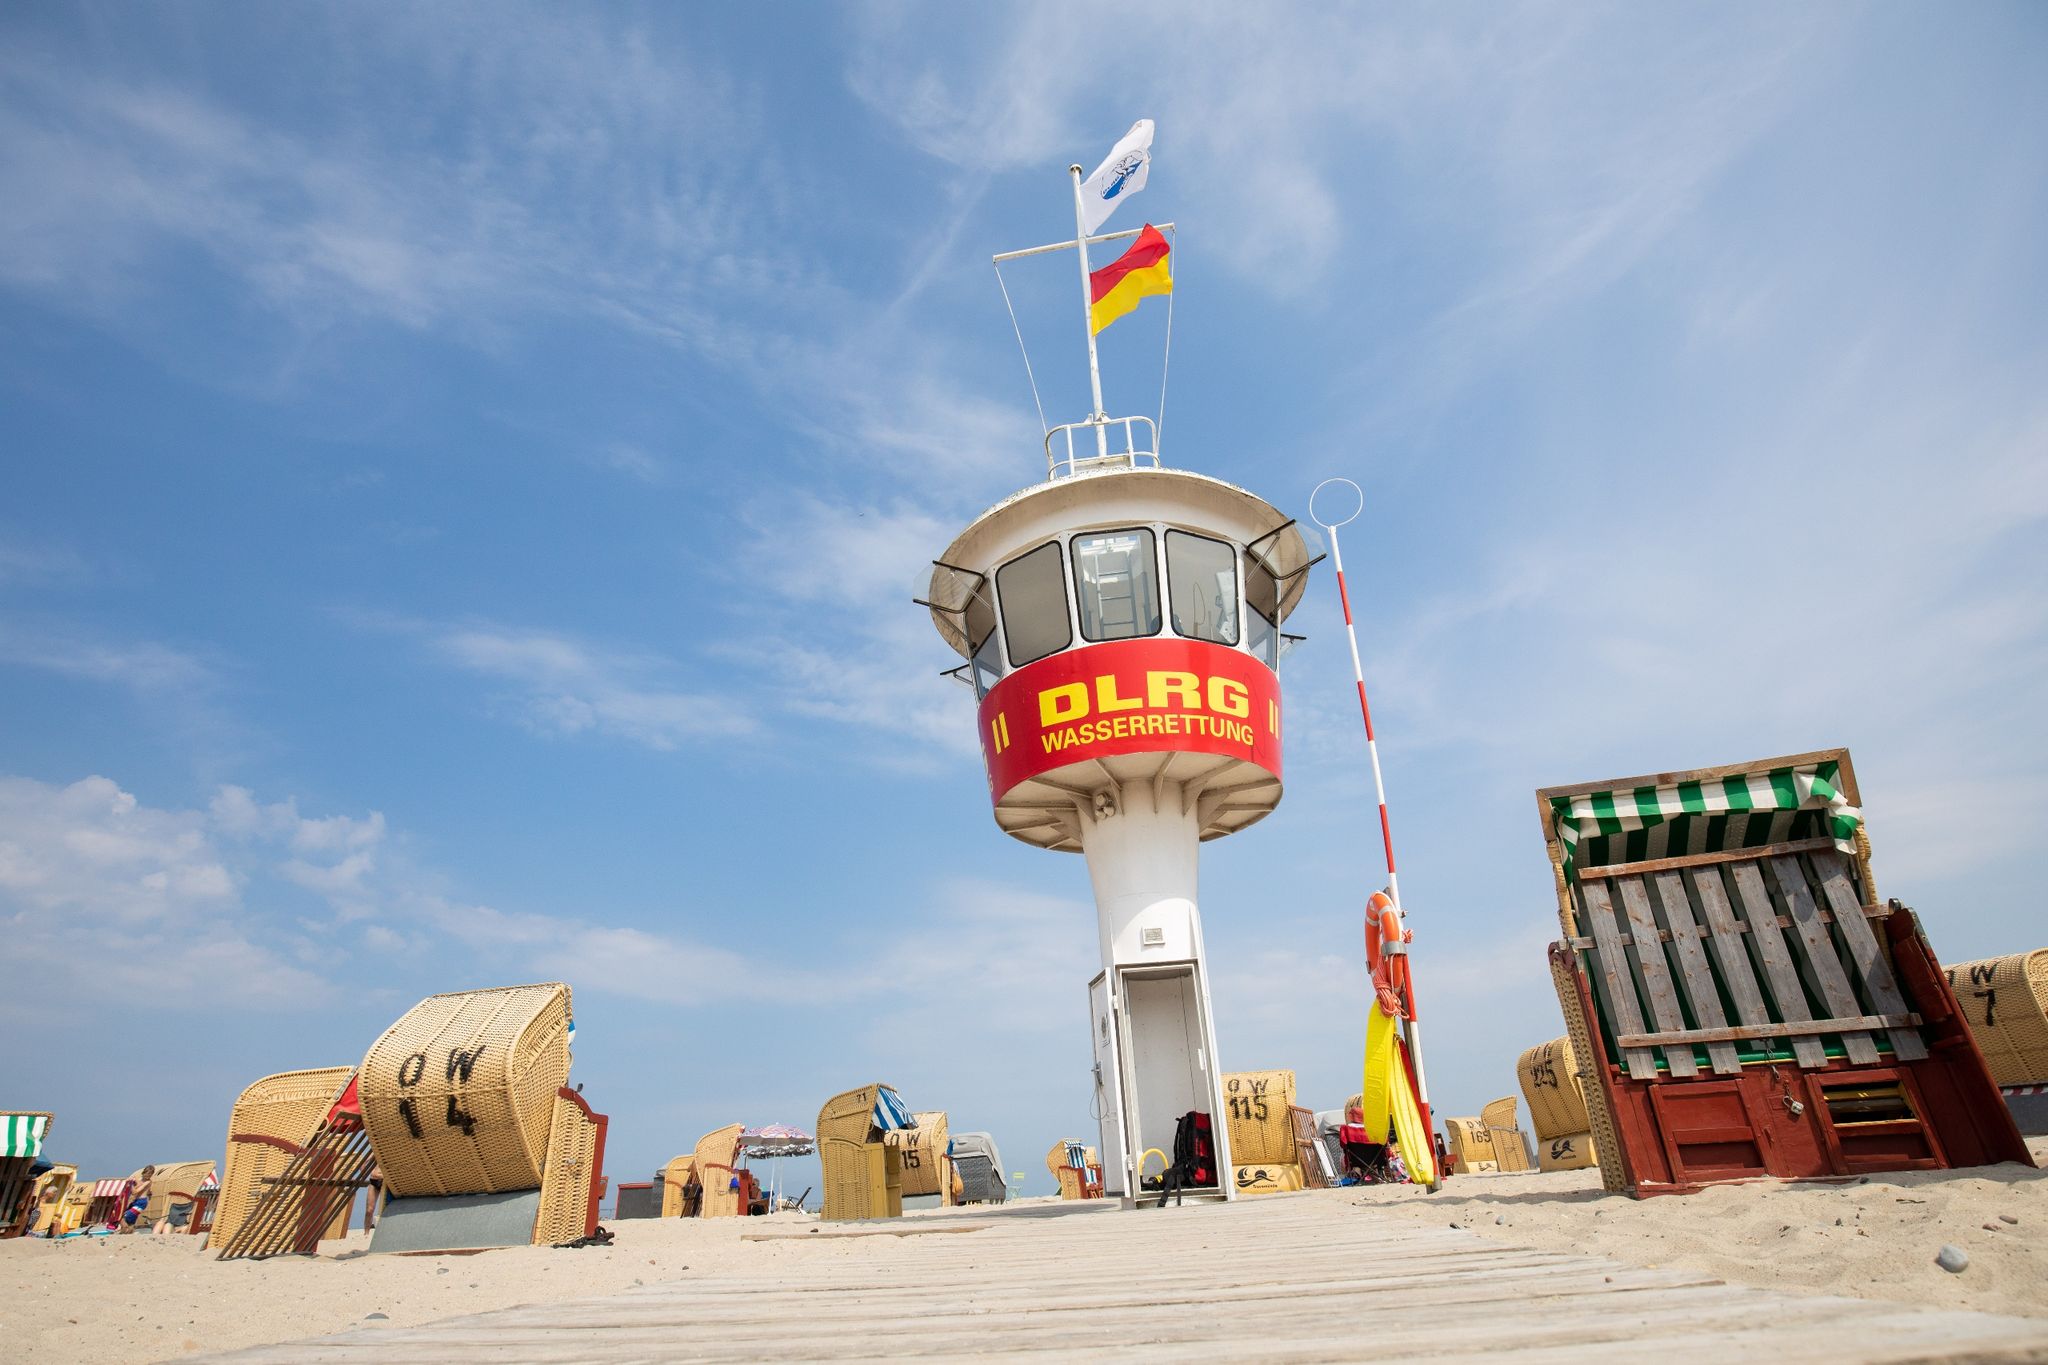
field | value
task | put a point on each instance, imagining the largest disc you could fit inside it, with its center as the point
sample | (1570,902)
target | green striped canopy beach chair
(1739,1000)
(21,1146)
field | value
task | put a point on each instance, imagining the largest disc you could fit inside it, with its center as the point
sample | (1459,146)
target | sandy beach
(1875,1237)
(153,1298)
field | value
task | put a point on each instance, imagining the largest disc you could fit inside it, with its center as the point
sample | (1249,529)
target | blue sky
(466,469)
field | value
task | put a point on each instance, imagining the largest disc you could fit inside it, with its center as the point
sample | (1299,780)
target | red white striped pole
(1379,783)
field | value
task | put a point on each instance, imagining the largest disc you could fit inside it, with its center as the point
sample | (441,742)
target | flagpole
(1087,316)
(1412,1026)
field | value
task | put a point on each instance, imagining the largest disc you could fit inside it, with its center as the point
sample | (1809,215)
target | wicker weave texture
(923,1149)
(674,1177)
(1471,1144)
(173,1179)
(863,1176)
(285,1108)
(1549,1073)
(459,1094)
(1073,1182)
(1510,1152)
(717,1156)
(566,1184)
(1255,1105)
(2005,1000)
(1563,977)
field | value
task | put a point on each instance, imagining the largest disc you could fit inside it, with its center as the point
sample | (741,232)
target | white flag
(1121,175)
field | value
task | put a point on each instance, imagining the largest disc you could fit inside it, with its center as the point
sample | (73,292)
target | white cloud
(607,178)
(89,853)
(565,687)
(146,667)
(148,894)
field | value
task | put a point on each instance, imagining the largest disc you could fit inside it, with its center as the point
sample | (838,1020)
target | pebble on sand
(1952,1259)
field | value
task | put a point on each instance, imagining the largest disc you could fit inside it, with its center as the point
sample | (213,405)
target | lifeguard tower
(1121,625)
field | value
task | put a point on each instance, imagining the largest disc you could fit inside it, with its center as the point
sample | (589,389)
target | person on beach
(138,1199)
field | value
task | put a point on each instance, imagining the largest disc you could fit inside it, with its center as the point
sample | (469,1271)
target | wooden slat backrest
(1821,959)
(1743,907)
(1754,909)
(1692,962)
(1611,963)
(1871,965)
(1657,982)
(1727,929)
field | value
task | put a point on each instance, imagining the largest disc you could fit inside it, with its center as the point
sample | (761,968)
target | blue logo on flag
(1125,169)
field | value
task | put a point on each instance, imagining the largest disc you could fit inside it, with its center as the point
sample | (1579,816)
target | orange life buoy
(1389,969)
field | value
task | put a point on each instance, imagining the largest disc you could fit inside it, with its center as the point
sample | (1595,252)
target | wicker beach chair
(1510,1149)
(272,1120)
(1742,1001)
(1550,1080)
(47,1197)
(174,1183)
(1258,1109)
(572,1185)
(1471,1144)
(22,1133)
(1076,1168)
(717,1162)
(927,1166)
(71,1209)
(980,1165)
(1255,1105)
(677,1178)
(458,1096)
(313,1192)
(2005,1002)
(1554,1085)
(863,1172)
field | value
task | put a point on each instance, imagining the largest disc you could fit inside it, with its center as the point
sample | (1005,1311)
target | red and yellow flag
(1116,288)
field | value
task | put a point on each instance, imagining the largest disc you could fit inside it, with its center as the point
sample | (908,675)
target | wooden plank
(1664,935)
(1657,982)
(1726,855)
(1820,956)
(1870,961)
(1699,977)
(1729,952)
(1621,986)
(1740,1031)
(1779,973)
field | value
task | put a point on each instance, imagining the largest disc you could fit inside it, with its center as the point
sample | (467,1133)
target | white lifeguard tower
(1121,623)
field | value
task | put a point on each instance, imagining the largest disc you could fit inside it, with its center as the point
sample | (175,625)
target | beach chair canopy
(891,1113)
(977,1144)
(23,1134)
(1806,799)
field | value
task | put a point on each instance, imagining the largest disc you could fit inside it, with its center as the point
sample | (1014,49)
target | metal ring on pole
(1327,525)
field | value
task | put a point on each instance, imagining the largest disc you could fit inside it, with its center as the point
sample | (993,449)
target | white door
(1108,1101)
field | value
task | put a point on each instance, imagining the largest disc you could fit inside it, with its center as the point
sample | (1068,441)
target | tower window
(1201,583)
(1116,584)
(1033,593)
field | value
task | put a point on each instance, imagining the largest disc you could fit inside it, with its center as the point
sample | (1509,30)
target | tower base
(1150,1018)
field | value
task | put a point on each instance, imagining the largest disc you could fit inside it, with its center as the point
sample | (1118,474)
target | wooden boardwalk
(1308,1277)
